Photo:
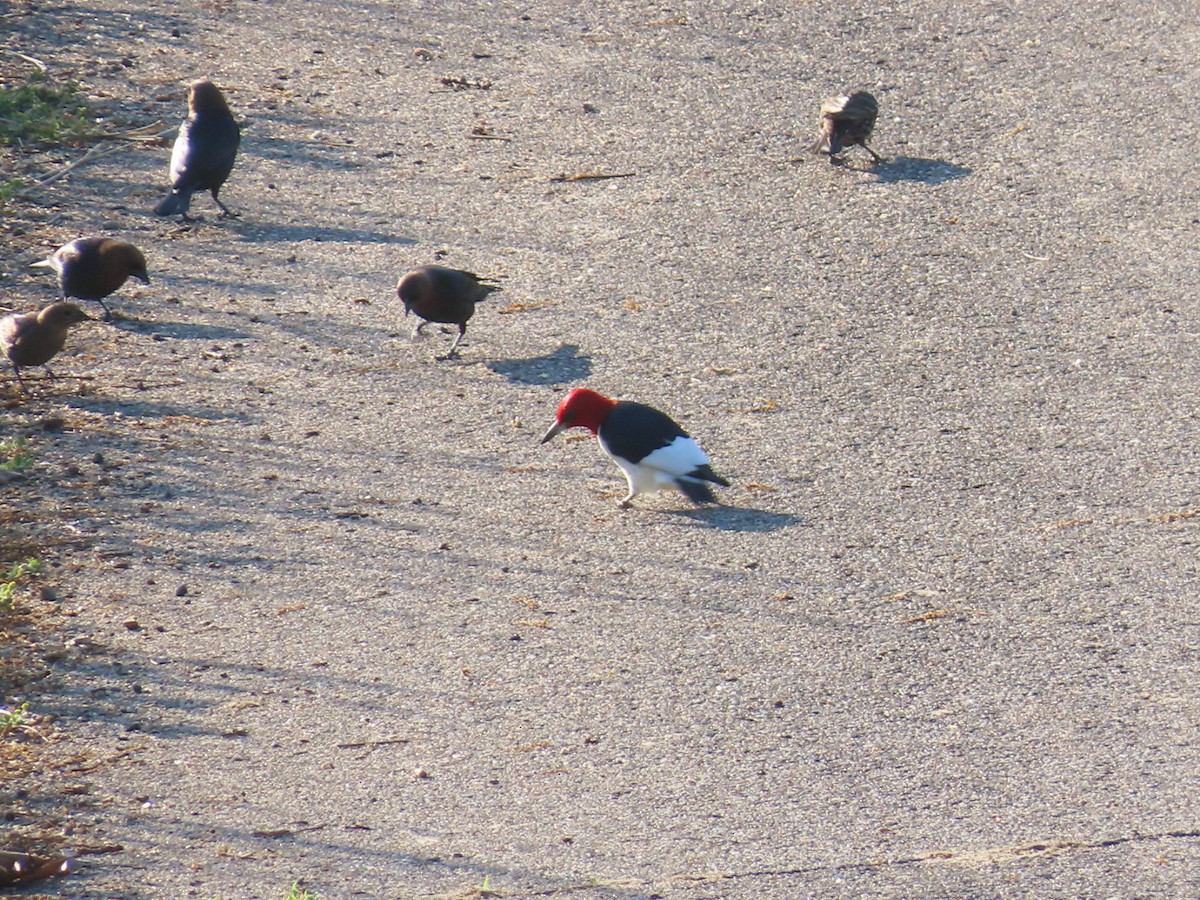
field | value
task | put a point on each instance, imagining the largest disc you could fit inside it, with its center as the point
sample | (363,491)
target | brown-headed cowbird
(34,338)
(91,268)
(846,121)
(439,294)
(204,150)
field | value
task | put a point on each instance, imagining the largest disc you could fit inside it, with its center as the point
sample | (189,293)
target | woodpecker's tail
(696,484)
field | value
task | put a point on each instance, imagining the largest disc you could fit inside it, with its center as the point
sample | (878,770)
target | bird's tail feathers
(173,203)
(696,491)
(707,474)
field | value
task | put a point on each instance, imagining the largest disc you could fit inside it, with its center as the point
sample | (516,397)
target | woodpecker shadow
(270,234)
(740,519)
(913,168)
(560,367)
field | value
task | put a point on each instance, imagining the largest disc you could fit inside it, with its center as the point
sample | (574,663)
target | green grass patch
(11,719)
(9,188)
(36,111)
(18,573)
(15,455)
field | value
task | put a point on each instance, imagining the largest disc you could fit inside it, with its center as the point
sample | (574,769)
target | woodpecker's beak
(554,429)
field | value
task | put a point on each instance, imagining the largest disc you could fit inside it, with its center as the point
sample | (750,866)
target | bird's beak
(41,264)
(554,429)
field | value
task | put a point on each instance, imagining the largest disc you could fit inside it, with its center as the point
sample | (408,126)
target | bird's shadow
(182,331)
(152,410)
(739,518)
(270,234)
(914,168)
(562,366)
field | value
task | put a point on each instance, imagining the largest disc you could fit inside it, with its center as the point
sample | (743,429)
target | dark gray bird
(439,294)
(34,338)
(204,150)
(846,121)
(91,268)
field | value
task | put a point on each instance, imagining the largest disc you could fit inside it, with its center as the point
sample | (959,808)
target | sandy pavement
(347,622)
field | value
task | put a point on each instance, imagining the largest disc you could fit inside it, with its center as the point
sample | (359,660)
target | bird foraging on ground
(846,121)
(440,294)
(648,446)
(204,150)
(34,338)
(91,268)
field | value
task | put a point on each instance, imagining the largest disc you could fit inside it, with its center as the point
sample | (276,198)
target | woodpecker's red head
(581,408)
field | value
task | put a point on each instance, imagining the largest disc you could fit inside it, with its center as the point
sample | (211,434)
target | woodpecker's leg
(626,501)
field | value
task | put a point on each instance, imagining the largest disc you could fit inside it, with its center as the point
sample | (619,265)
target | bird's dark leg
(878,158)
(46,369)
(453,354)
(225,211)
(419,330)
(107,312)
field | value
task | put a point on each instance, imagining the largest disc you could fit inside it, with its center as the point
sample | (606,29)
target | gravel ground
(346,621)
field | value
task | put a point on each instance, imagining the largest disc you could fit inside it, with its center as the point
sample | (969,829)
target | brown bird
(846,121)
(204,150)
(34,338)
(92,268)
(23,868)
(439,294)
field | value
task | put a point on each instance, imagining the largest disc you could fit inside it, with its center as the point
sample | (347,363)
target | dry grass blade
(382,742)
(591,176)
(32,60)
(94,152)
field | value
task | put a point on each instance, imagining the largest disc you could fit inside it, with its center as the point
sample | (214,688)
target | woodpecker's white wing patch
(681,456)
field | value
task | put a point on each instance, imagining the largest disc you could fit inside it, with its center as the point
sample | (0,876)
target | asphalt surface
(347,622)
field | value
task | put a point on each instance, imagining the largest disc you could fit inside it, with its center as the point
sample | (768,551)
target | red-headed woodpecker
(650,448)
(439,294)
